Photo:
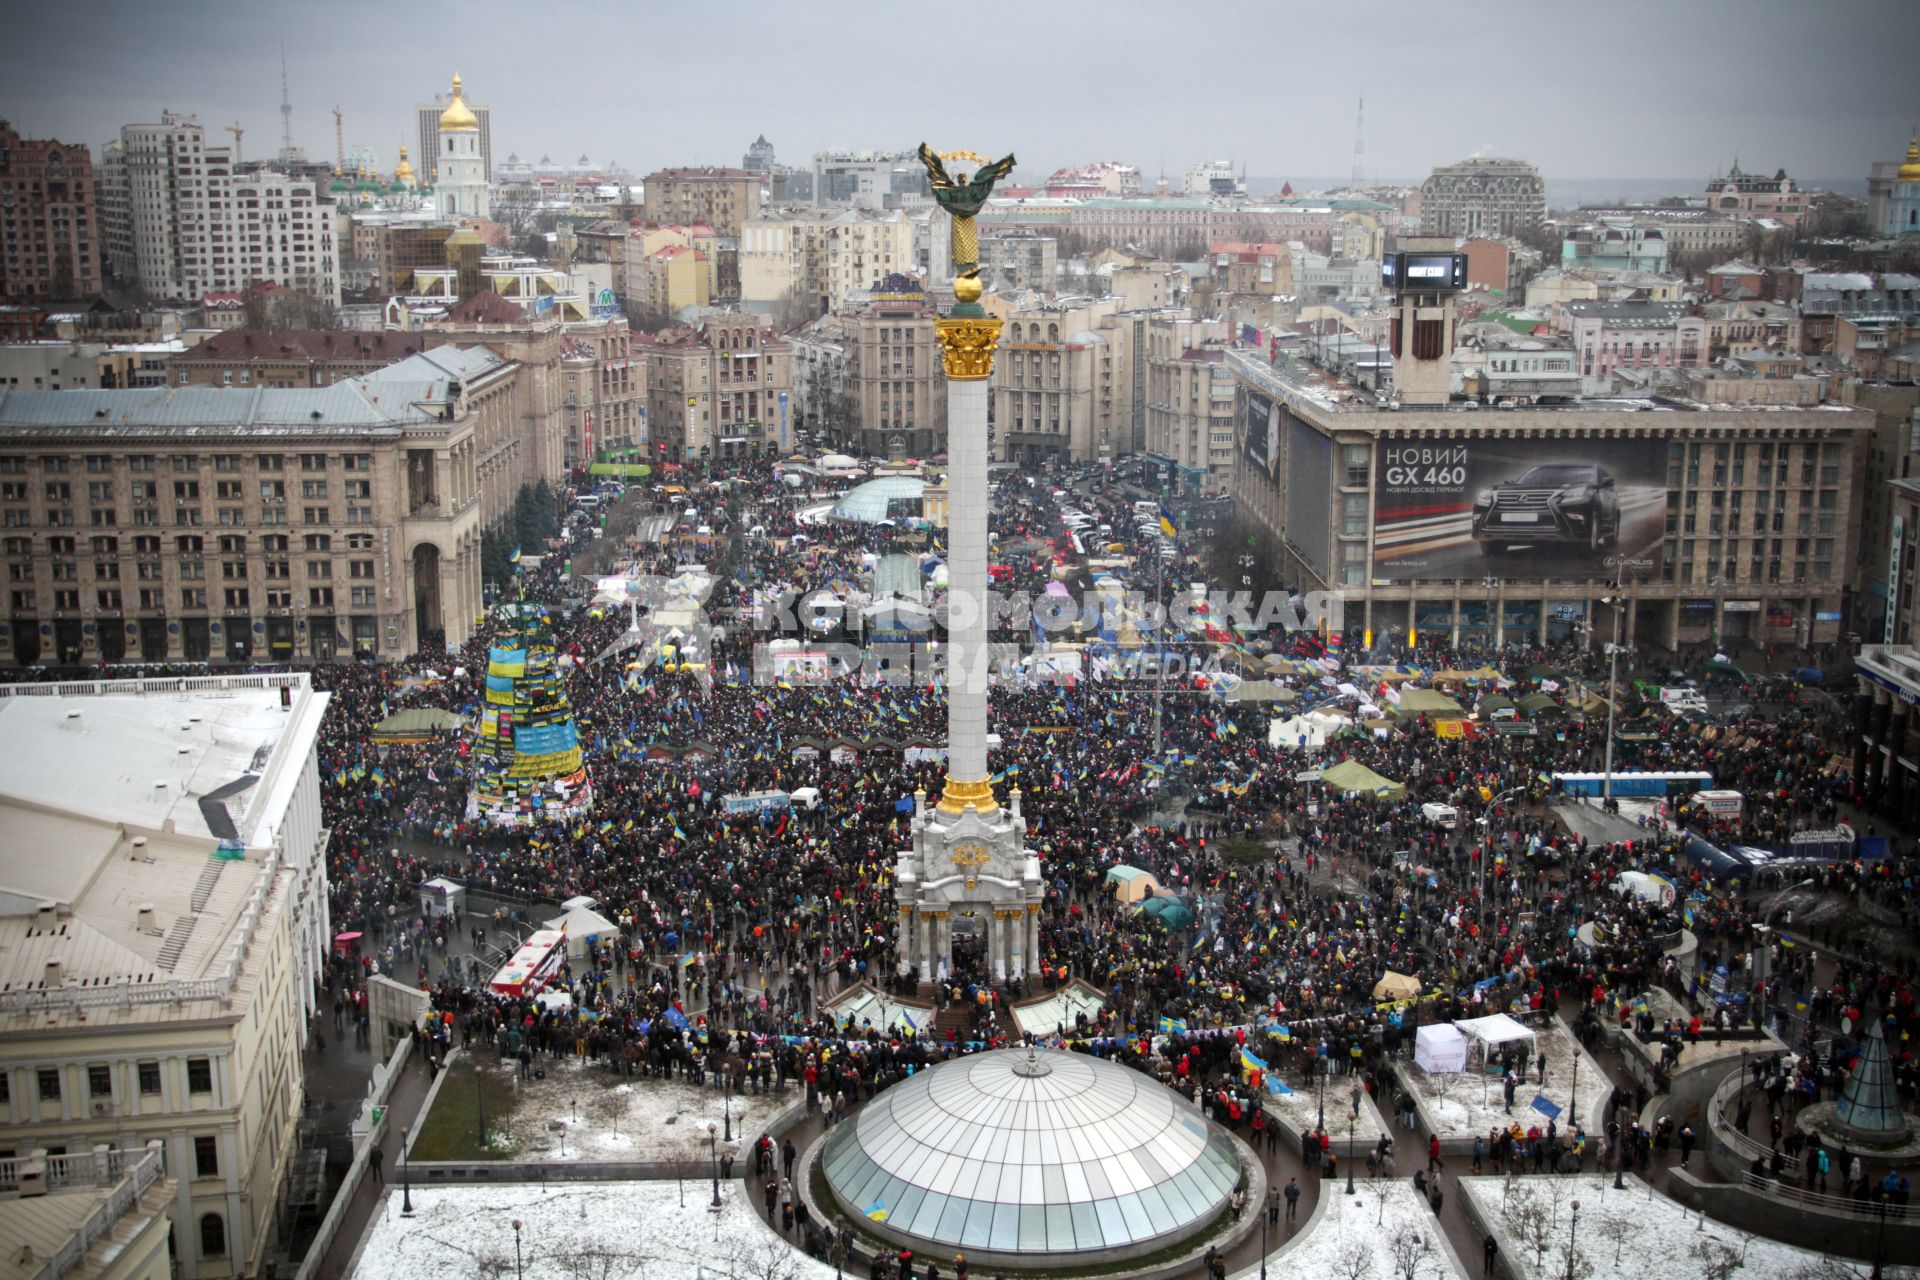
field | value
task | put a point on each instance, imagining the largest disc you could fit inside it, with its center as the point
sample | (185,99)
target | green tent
(1430,703)
(417,724)
(1353,778)
(1535,705)
(1728,671)
(1260,691)
(1494,702)
(1168,912)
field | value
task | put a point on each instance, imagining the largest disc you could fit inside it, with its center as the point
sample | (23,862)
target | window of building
(100,1082)
(49,1082)
(213,1236)
(199,1075)
(206,1156)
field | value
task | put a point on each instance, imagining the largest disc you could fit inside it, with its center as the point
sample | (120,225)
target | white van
(1680,698)
(1441,815)
(1148,509)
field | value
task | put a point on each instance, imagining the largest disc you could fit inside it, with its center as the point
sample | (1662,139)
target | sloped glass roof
(880,499)
(1032,1152)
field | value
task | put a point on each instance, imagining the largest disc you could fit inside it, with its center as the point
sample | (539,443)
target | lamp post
(1763,952)
(1619,1155)
(480,1102)
(1486,851)
(1619,606)
(518,1271)
(406,1181)
(726,1092)
(1573,1228)
(1264,1216)
(713,1154)
(1321,1059)
(1352,1117)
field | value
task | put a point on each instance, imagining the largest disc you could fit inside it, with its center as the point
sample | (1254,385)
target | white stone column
(967,653)
(1033,940)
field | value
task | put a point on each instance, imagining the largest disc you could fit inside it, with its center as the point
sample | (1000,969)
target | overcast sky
(1625,88)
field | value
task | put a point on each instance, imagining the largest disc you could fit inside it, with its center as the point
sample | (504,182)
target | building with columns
(279,525)
(162,935)
(1887,718)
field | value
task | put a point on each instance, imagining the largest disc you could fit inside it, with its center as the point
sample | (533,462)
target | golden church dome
(403,172)
(458,115)
(1910,171)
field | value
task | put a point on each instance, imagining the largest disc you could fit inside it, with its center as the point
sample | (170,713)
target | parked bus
(1632,783)
(534,965)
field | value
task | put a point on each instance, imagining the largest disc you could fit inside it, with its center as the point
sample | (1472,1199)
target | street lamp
(518,1272)
(726,1091)
(1619,1154)
(713,1154)
(1351,1118)
(1619,606)
(480,1102)
(1486,852)
(1763,953)
(1321,1058)
(1266,1216)
(406,1180)
(1573,1227)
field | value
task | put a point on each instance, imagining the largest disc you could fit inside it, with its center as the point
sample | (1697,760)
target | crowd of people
(736,928)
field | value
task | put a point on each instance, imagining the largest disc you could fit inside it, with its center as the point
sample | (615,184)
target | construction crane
(339,143)
(237,133)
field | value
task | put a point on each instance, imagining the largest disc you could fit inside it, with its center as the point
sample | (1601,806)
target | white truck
(1679,698)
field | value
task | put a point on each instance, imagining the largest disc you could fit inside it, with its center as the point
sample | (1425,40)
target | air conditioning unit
(101,1107)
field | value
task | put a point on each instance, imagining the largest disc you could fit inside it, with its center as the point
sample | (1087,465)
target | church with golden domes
(461,185)
(1893,194)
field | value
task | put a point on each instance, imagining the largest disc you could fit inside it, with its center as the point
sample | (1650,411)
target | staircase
(176,942)
(957,1018)
(209,876)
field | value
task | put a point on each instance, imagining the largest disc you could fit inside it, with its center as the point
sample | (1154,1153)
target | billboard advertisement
(1260,430)
(1519,508)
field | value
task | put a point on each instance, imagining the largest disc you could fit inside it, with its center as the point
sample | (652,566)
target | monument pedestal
(969,876)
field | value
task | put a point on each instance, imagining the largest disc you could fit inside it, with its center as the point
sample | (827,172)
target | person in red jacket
(1433,1153)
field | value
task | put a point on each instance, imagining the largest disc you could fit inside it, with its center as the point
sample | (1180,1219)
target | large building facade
(197,524)
(898,386)
(1735,526)
(164,942)
(179,222)
(723,199)
(721,390)
(822,259)
(49,229)
(1482,197)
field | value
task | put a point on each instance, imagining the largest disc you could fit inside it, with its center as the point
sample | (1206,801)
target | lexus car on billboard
(1514,508)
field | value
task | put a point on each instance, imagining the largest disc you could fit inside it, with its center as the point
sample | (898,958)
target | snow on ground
(861,1007)
(604,1117)
(629,1231)
(1623,1235)
(1375,1222)
(1301,1110)
(1472,1104)
(1063,1008)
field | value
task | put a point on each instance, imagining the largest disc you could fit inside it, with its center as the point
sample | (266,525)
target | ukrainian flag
(515,557)
(1166,523)
(877,1211)
(678,834)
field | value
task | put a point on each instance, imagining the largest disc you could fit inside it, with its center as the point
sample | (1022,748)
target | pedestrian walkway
(403,1109)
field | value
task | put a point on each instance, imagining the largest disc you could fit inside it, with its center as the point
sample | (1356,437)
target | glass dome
(887,498)
(1020,1152)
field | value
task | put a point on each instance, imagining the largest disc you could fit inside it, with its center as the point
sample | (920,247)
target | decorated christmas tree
(526,759)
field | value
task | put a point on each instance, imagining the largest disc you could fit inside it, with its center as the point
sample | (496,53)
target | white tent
(442,897)
(1298,732)
(1495,1029)
(1440,1049)
(582,924)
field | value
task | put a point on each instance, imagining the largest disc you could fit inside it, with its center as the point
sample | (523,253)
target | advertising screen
(1260,430)
(1519,508)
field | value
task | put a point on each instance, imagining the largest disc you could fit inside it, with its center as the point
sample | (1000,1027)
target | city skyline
(874,83)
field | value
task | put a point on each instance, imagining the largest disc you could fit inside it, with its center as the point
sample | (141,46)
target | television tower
(1360,144)
(286,106)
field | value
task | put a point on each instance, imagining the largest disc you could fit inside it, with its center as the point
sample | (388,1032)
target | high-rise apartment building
(822,258)
(721,198)
(1482,197)
(49,231)
(178,221)
(722,391)
(427,119)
